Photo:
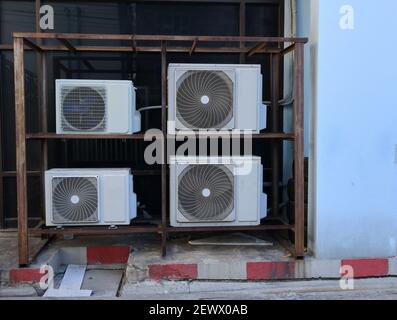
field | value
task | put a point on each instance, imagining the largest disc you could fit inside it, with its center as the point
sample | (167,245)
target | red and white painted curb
(309,268)
(173,271)
(23,275)
(222,271)
(93,255)
(108,254)
(266,270)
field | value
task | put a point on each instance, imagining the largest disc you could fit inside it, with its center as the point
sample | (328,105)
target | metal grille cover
(204,99)
(74,199)
(205,193)
(83,108)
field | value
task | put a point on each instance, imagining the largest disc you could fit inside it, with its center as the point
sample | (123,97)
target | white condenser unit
(89,197)
(96,106)
(216,191)
(220,97)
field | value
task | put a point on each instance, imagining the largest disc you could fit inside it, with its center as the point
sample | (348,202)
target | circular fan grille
(204,99)
(205,193)
(75,199)
(83,108)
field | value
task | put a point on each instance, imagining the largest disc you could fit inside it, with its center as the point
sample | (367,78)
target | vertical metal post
(164,166)
(242,16)
(299,152)
(43,84)
(41,71)
(275,97)
(37,15)
(2,215)
(23,244)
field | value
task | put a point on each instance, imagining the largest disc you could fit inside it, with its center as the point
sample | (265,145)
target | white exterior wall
(351,95)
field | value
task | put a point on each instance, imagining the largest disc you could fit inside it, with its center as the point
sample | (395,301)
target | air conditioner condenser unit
(216,191)
(220,97)
(96,106)
(89,197)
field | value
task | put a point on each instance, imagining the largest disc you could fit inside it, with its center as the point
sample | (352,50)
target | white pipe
(149,108)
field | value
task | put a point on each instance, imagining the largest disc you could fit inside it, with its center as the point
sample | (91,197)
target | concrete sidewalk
(364,289)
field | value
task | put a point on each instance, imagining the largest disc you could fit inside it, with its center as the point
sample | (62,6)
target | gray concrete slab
(232,239)
(18,292)
(103,283)
(74,255)
(152,287)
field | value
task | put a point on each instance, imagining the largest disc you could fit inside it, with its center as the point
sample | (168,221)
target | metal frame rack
(272,47)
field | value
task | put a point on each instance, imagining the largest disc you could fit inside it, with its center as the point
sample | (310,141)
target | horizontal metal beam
(96,230)
(264,136)
(152,229)
(140,136)
(135,172)
(83,136)
(230,229)
(270,2)
(128,37)
(147,49)
(13,173)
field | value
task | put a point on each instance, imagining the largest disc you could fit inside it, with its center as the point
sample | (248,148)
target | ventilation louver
(204,99)
(205,192)
(83,108)
(75,199)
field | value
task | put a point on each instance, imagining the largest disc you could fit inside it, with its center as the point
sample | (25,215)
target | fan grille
(83,108)
(204,99)
(74,199)
(205,193)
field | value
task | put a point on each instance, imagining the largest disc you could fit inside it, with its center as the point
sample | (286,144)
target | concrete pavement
(364,289)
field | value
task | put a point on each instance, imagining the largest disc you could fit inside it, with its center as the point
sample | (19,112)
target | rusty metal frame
(2,215)
(166,44)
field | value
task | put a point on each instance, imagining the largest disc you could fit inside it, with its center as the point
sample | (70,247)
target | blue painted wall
(352,96)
